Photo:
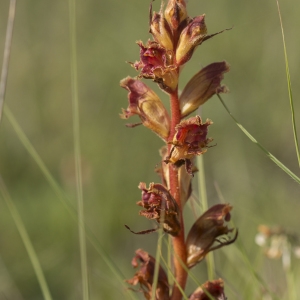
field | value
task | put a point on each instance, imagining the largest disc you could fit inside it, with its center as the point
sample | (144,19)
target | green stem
(76,132)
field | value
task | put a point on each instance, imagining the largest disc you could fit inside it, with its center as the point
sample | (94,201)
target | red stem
(178,241)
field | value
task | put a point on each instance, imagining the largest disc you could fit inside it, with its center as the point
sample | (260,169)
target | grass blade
(7,47)
(203,196)
(287,70)
(271,156)
(76,132)
(26,240)
(62,197)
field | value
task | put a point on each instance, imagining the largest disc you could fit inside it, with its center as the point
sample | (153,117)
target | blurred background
(115,158)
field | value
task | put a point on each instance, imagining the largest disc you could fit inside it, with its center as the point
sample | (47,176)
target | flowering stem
(178,241)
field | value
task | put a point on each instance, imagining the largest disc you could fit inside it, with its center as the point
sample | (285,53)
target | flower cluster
(175,36)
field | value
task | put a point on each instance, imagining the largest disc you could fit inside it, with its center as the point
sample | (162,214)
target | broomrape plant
(175,38)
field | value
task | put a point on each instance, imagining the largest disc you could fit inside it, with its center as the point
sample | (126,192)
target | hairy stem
(178,241)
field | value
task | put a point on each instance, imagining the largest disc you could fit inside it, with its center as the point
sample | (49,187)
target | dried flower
(144,276)
(210,290)
(157,63)
(205,84)
(205,232)
(189,140)
(160,206)
(147,105)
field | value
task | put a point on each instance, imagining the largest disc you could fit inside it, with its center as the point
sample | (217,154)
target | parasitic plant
(175,38)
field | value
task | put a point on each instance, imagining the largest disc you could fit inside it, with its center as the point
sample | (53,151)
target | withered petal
(205,232)
(210,290)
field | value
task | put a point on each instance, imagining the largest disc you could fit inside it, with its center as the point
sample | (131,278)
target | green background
(116,158)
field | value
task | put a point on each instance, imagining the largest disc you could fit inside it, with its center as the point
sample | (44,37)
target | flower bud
(205,84)
(161,32)
(191,37)
(175,13)
(189,140)
(205,232)
(160,206)
(145,276)
(147,105)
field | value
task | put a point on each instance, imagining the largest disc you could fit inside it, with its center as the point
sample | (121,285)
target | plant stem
(178,241)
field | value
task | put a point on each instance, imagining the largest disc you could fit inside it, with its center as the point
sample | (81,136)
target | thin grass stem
(174,279)
(203,196)
(26,240)
(157,264)
(6,55)
(271,156)
(77,150)
(287,70)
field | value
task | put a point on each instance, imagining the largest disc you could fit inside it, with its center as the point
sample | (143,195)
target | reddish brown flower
(157,63)
(147,105)
(210,290)
(205,232)
(160,206)
(205,84)
(189,140)
(144,276)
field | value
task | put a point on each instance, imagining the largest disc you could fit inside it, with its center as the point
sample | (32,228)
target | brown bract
(161,31)
(210,290)
(189,140)
(144,276)
(147,105)
(193,35)
(203,85)
(157,63)
(205,232)
(160,206)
